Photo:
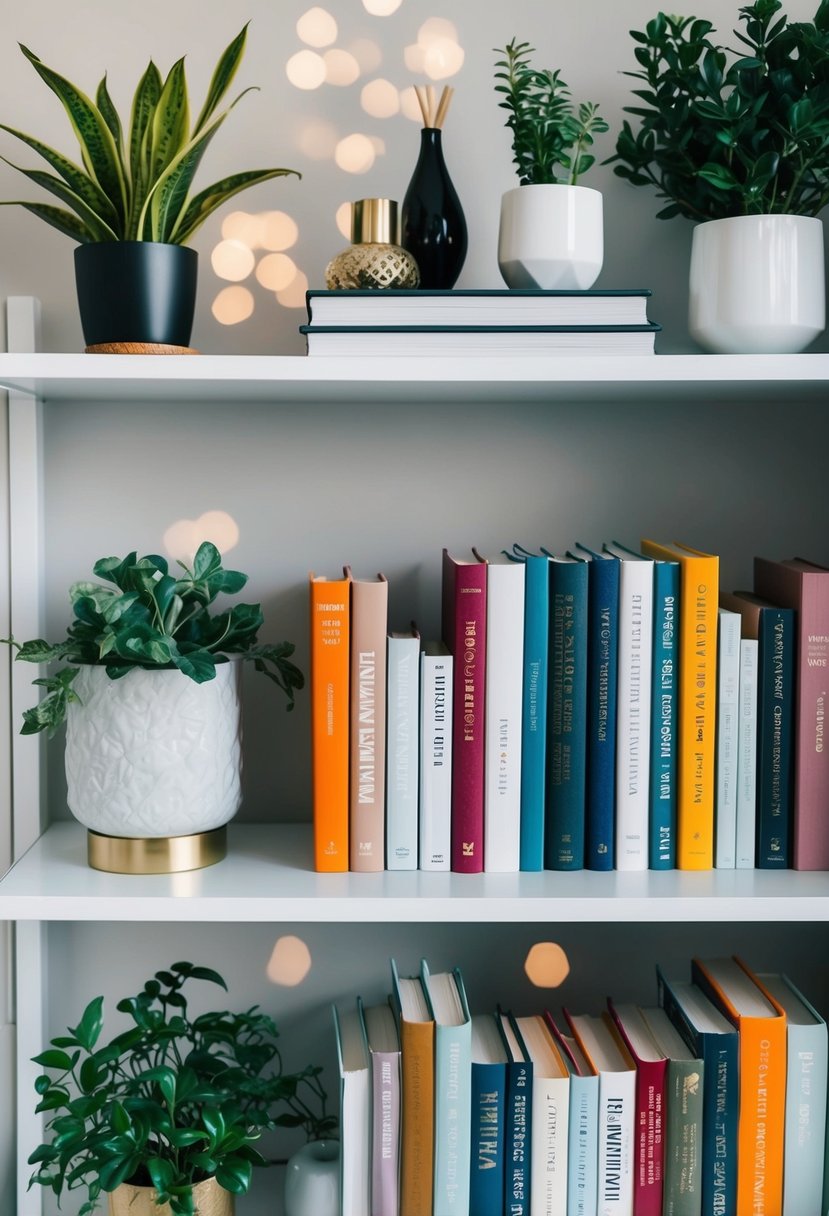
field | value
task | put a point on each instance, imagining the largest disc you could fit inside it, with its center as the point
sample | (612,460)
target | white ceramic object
(551,236)
(757,284)
(154,753)
(312,1180)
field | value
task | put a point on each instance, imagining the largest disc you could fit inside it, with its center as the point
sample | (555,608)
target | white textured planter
(154,754)
(757,284)
(551,236)
(312,1180)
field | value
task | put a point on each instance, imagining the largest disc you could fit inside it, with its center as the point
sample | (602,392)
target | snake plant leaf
(171,121)
(205,203)
(100,230)
(111,117)
(222,77)
(72,174)
(92,131)
(64,221)
(143,107)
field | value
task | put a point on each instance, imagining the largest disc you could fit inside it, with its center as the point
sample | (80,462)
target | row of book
(605,708)
(710,1100)
(510,322)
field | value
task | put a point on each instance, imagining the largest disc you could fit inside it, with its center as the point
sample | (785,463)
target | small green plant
(169,1102)
(134,181)
(151,619)
(549,133)
(731,132)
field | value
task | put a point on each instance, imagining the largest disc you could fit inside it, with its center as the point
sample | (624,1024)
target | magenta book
(464,632)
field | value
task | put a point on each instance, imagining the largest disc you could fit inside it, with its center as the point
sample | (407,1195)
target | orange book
(367,747)
(417,1099)
(330,628)
(697,725)
(761,1023)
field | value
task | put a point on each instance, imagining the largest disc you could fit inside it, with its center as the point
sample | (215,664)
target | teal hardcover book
(453,1088)
(534,716)
(488,1116)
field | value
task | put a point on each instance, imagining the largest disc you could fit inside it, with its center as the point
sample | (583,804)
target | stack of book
(509,322)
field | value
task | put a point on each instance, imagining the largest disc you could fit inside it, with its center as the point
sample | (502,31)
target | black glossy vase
(136,291)
(433,226)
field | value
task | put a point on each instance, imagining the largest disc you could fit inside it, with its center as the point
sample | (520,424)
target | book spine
(602,660)
(417,1056)
(583,1146)
(634,705)
(435,761)
(518,1154)
(805,1123)
(664,682)
(486,1164)
(683,1139)
(616,1129)
(330,633)
(774,737)
(453,1045)
(534,711)
(747,756)
(505,595)
(550,1121)
(566,718)
(385,1143)
(649,1138)
(402,752)
(464,632)
(369,616)
(728,718)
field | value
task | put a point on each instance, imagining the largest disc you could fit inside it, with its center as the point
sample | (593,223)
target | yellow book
(696,730)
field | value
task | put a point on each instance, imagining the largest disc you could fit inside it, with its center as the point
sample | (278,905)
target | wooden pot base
(139,348)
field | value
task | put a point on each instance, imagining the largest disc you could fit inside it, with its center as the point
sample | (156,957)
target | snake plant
(134,183)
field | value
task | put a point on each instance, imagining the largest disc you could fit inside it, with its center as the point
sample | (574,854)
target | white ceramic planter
(551,236)
(312,1180)
(757,284)
(154,754)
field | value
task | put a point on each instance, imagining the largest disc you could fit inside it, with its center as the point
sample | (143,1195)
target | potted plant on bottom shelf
(164,1117)
(551,229)
(737,140)
(150,697)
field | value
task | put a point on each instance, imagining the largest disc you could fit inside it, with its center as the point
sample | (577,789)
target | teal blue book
(488,1117)
(453,1089)
(534,707)
(583,1138)
(564,813)
(602,653)
(664,702)
(518,1127)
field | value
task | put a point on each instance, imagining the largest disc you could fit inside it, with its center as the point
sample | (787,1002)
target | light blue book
(453,1089)
(534,707)
(583,1132)
(402,749)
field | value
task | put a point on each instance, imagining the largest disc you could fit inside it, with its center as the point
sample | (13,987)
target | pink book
(384,1053)
(649,1113)
(804,586)
(367,723)
(464,632)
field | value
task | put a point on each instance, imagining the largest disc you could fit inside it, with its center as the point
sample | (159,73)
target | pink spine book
(464,632)
(367,723)
(804,586)
(649,1112)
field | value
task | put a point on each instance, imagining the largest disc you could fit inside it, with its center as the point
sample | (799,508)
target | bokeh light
(244,227)
(306,70)
(278,230)
(343,220)
(232,260)
(410,106)
(317,27)
(293,296)
(381,8)
(355,153)
(380,98)
(233,305)
(443,58)
(182,539)
(276,271)
(367,53)
(290,961)
(546,965)
(341,68)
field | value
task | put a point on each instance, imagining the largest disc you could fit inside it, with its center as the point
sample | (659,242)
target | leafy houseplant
(169,1102)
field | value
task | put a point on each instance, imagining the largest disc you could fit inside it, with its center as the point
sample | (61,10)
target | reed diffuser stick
(443,106)
(423,100)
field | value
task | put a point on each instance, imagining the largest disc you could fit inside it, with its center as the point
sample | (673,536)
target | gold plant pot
(210,1200)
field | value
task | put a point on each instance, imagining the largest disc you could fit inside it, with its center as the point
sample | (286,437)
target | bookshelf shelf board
(267,877)
(297,378)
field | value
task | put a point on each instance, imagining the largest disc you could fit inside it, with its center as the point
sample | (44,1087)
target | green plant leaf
(75,177)
(226,69)
(203,204)
(99,229)
(53,1058)
(144,103)
(56,217)
(170,121)
(234,1175)
(89,1028)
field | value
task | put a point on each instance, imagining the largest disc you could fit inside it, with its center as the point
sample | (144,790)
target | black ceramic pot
(136,291)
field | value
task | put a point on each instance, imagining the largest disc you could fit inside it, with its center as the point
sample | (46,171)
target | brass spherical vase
(375,259)
(209,1199)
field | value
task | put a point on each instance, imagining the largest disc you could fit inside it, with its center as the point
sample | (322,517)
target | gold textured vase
(375,258)
(209,1198)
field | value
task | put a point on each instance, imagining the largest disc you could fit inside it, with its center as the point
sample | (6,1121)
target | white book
(728,706)
(435,812)
(615,1069)
(503,712)
(549,1120)
(633,700)
(402,750)
(355,1113)
(583,1132)
(747,756)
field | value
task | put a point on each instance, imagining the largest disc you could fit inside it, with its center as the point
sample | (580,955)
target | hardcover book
(464,632)
(369,624)
(550,1117)
(330,603)
(697,720)
(649,1116)
(453,1062)
(664,707)
(534,705)
(402,749)
(380,1027)
(518,1133)
(416,1026)
(728,718)
(435,814)
(488,1118)
(746,836)
(583,1139)
(804,586)
(430,341)
(355,1112)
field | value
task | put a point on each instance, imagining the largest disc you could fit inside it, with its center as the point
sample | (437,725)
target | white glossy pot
(757,284)
(551,236)
(312,1180)
(154,754)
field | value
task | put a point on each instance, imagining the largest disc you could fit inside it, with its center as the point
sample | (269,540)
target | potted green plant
(737,140)
(128,203)
(551,228)
(168,1111)
(149,691)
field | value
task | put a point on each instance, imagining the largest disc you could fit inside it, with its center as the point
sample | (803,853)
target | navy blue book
(602,648)
(518,1124)
(715,1041)
(564,814)
(774,629)
(664,702)
(488,1117)
(534,705)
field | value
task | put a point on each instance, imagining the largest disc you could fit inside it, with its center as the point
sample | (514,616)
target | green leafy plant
(149,618)
(549,133)
(731,132)
(134,181)
(170,1101)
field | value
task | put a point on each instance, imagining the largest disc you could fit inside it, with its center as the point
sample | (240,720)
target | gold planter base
(208,1197)
(155,854)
